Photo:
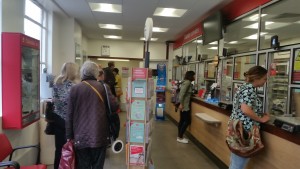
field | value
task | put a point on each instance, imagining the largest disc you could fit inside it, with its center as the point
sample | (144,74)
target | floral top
(60,98)
(246,94)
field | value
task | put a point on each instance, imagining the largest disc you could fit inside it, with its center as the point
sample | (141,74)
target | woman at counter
(247,107)
(184,106)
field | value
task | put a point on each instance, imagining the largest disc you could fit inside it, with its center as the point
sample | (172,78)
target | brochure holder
(139,118)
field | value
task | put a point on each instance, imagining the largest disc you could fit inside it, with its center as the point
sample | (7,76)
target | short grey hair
(89,69)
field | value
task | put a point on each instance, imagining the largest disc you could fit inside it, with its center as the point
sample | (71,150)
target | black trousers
(184,122)
(60,139)
(90,158)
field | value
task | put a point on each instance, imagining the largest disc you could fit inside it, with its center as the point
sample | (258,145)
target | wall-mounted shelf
(208,119)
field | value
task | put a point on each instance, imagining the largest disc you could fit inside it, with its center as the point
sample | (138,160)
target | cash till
(290,124)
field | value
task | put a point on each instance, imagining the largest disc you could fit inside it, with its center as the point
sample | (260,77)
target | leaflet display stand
(160,91)
(139,119)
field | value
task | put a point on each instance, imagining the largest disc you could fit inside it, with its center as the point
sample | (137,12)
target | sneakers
(182,140)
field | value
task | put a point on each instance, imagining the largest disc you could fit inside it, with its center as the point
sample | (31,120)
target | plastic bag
(67,160)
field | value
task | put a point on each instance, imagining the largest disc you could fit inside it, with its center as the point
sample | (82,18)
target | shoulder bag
(243,143)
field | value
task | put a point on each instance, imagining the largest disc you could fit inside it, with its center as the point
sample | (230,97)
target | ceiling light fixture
(254,36)
(157,29)
(213,48)
(152,39)
(233,42)
(112,37)
(110,26)
(105,7)
(214,43)
(169,12)
(109,59)
(198,41)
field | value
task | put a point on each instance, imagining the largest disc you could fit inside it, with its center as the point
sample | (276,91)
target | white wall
(127,49)
(63,42)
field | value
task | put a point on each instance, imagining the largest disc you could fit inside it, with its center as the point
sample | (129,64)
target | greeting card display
(139,124)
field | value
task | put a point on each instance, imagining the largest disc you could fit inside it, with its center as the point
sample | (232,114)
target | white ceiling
(133,17)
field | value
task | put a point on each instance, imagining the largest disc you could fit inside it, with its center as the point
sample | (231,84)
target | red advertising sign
(139,73)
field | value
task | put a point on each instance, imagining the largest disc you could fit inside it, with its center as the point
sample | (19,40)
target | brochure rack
(160,91)
(139,123)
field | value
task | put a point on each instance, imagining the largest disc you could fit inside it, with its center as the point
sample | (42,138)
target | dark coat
(86,120)
(109,78)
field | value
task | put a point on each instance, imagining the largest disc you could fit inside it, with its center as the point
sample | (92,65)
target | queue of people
(81,116)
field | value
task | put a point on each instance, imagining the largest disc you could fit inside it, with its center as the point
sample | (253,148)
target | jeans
(185,121)
(90,158)
(237,162)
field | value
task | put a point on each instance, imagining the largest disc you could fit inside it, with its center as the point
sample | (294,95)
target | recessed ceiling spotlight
(110,26)
(105,7)
(169,12)
(112,37)
(157,29)
(152,39)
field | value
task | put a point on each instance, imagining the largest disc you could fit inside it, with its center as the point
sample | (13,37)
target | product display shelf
(139,119)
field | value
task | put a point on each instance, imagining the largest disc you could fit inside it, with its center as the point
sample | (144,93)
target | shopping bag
(67,160)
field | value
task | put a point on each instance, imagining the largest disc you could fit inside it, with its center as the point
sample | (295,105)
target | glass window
(210,69)
(208,51)
(200,76)
(241,35)
(261,62)
(295,100)
(296,67)
(243,64)
(33,11)
(226,78)
(189,52)
(281,19)
(278,82)
(31,29)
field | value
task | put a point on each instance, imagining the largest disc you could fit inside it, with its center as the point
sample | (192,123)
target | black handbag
(49,117)
(49,130)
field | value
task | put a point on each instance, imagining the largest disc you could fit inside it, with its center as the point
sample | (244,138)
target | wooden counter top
(270,128)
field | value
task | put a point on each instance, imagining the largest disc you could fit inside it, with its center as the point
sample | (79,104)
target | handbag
(50,118)
(243,143)
(49,130)
(67,160)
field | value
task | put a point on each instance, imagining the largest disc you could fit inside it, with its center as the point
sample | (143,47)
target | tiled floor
(167,153)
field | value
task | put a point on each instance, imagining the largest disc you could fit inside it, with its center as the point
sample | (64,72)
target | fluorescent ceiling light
(233,42)
(255,25)
(152,39)
(255,17)
(198,41)
(110,26)
(109,59)
(214,43)
(157,29)
(213,48)
(112,37)
(297,22)
(78,58)
(254,36)
(105,7)
(169,12)
(276,25)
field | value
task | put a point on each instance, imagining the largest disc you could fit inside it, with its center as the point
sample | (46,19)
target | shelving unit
(278,84)
(139,118)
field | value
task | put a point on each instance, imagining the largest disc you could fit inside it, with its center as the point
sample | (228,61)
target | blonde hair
(69,71)
(256,72)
